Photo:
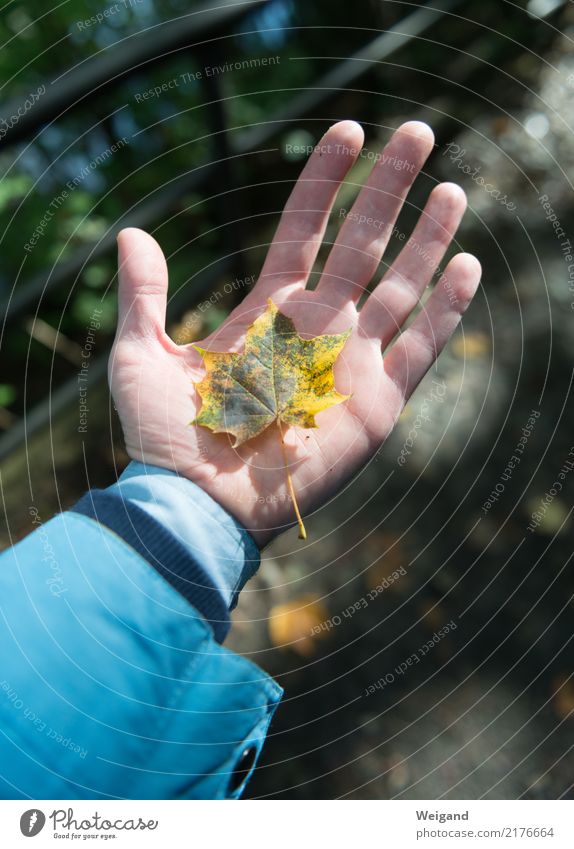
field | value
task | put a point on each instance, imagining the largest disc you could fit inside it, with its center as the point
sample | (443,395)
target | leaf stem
(302,531)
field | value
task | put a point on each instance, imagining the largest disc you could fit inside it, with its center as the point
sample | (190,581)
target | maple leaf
(296,624)
(279,377)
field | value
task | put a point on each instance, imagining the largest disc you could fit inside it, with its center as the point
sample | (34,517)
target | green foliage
(7,394)
(70,186)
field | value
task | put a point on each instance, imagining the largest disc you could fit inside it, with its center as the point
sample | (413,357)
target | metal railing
(114,67)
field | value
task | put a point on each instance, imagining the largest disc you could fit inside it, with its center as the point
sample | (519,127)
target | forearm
(113,683)
(183,533)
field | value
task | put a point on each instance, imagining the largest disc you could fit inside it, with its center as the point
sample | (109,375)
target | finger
(365,233)
(398,293)
(304,219)
(417,348)
(143,281)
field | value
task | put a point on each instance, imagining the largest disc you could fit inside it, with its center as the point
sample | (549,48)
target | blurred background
(188,119)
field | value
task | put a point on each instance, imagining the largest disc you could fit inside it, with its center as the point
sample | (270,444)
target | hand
(152,378)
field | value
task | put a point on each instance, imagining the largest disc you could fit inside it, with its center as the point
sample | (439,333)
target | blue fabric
(205,553)
(162,550)
(112,684)
(223,547)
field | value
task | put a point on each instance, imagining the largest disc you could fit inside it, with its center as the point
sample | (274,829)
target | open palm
(152,378)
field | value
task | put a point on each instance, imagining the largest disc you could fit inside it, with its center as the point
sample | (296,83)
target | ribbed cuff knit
(162,550)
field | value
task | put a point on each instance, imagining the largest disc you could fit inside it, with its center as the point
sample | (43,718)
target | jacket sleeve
(113,680)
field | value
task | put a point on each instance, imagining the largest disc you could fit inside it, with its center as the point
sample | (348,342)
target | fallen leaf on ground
(563,696)
(291,625)
(470,345)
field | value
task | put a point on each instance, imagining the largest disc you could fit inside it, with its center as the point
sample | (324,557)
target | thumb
(143,280)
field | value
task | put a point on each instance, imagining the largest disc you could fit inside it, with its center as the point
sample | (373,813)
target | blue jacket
(113,681)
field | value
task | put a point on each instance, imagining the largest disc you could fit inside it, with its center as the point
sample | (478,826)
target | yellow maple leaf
(279,377)
(295,624)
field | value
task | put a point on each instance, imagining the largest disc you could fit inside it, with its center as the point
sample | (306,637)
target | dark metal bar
(120,61)
(248,140)
(226,177)
(340,77)
(346,72)
(143,216)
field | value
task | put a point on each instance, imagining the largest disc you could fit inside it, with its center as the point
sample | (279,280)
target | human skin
(152,378)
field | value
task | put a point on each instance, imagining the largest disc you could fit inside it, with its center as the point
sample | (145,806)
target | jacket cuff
(200,549)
